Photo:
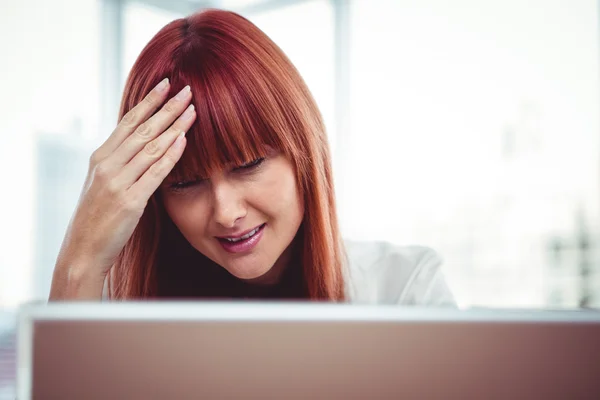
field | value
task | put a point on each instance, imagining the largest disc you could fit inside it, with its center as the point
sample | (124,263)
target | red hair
(247,95)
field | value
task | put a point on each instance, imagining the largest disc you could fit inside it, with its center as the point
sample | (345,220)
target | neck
(284,279)
(183,272)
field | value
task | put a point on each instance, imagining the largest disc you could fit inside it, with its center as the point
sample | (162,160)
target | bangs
(237,118)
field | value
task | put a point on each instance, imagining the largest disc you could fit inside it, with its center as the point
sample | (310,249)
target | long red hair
(247,95)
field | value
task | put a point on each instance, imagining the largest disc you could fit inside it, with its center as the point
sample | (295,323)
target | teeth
(246,236)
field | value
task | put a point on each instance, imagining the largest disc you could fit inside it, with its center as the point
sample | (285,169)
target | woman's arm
(76,281)
(123,174)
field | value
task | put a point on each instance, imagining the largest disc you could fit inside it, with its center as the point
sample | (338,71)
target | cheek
(279,195)
(185,214)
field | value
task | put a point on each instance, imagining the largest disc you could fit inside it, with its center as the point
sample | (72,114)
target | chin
(248,274)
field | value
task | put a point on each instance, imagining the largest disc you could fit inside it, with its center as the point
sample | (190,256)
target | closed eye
(185,184)
(181,185)
(250,164)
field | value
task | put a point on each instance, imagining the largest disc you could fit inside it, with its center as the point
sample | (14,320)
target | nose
(228,205)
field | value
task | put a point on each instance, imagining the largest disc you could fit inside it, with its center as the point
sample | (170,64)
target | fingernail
(162,85)
(188,112)
(181,95)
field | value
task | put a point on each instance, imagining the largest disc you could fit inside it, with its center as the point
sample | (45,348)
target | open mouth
(246,236)
(244,243)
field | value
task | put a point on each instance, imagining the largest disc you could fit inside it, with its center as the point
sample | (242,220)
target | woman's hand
(123,173)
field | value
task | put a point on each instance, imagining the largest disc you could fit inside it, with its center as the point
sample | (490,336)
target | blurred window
(474,129)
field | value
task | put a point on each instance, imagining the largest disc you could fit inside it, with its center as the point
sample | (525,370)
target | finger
(156,174)
(155,149)
(132,119)
(150,129)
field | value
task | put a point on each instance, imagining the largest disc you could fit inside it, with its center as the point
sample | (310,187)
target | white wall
(49,75)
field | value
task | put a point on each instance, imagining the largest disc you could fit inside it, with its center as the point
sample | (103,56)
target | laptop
(214,350)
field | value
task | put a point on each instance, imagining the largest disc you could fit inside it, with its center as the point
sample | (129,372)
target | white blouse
(384,273)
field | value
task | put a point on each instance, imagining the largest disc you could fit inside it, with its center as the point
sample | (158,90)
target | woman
(240,206)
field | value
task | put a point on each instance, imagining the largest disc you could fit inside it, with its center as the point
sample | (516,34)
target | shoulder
(384,273)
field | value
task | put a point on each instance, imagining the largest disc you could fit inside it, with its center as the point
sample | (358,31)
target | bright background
(471,126)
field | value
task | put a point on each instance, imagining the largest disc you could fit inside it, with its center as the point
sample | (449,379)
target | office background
(469,126)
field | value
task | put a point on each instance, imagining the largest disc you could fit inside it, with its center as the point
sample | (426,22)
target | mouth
(244,243)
